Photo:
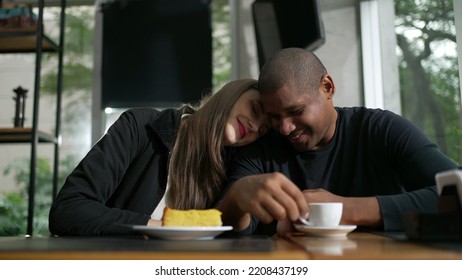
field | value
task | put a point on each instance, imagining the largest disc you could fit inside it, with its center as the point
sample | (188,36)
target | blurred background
(396,55)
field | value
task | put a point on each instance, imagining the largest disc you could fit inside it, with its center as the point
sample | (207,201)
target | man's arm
(418,177)
(386,211)
(416,161)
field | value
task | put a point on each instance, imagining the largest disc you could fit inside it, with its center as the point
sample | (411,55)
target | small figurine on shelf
(20,99)
(15,17)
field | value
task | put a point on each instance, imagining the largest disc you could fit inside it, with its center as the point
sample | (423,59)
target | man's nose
(253,126)
(286,126)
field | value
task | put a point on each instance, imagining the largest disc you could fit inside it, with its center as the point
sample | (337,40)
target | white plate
(337,231)
(182,233)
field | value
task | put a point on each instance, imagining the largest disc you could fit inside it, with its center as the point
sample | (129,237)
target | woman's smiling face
(247,120)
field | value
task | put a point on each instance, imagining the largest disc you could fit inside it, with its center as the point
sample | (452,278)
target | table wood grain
(373,246)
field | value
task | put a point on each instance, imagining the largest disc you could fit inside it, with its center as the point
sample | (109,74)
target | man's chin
(301,144)
(301,147)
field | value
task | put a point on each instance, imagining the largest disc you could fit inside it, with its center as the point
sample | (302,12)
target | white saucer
(336,231)
(181,233)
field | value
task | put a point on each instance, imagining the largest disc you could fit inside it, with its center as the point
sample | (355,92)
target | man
(377,163)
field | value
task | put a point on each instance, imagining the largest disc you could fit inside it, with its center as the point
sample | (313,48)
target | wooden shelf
(24,42)
(23,135)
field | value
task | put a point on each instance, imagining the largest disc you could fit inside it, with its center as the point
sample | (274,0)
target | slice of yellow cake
(191,218)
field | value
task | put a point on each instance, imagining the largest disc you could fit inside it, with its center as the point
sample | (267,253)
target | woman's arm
(81,208)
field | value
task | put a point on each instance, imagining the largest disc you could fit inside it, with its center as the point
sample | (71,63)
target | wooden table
(374,246)
(296,246)
(139,248)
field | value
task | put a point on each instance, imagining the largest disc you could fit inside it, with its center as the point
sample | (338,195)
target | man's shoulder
(365,114)
(271,142)
(360,110)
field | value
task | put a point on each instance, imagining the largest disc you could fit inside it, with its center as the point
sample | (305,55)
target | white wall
(18,70)
(341,53)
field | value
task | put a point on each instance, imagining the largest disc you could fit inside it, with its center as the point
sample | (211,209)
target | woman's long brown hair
(197,166)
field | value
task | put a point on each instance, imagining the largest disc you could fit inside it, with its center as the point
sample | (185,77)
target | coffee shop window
(428,70)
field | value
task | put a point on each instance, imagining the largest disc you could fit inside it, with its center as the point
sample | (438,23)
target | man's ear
(328,86)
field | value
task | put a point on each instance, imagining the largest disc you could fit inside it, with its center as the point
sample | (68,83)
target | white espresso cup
(325,214)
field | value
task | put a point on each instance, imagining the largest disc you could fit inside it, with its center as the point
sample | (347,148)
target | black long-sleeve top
(373,153)
(122,178)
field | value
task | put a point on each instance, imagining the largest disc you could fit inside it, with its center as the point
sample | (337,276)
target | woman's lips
(242,129)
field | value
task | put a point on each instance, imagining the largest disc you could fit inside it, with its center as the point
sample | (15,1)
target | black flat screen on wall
(286,23)
(155,53)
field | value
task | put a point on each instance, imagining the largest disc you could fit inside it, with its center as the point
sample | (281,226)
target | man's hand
(266,196)
(321,195)
(356,210)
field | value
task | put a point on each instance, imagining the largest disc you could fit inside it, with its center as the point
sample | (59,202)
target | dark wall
(287,23)
(155,52)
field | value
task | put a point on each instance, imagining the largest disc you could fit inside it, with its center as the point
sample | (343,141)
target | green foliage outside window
(13,205)
(429,72)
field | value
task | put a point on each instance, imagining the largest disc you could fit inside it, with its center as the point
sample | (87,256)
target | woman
(123,178)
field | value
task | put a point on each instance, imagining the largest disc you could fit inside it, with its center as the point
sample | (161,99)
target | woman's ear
(328,86)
